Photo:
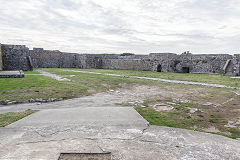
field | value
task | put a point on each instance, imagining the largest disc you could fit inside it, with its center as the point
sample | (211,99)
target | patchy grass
(206,119)
(169,119)
(82,84)
(8,118)
(38,86)
(206,78)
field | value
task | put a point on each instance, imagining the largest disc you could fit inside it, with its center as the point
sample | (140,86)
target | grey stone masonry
(0,57)
(14,57)
(19,57)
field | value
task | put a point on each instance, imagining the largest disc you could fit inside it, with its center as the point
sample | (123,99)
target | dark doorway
(185,69)
(159,68)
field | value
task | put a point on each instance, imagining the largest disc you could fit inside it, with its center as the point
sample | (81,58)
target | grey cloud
(95,26)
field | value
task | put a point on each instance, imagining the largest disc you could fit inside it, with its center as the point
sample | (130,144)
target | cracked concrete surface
(145,142)
(95,124)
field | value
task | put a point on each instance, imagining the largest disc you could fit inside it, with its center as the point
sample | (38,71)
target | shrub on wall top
(127,54)
(186,53)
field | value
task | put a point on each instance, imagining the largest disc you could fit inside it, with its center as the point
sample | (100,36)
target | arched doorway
(159,68)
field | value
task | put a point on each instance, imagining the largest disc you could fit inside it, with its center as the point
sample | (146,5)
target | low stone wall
(12,74)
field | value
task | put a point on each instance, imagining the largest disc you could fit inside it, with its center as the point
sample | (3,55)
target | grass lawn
(82,84)
(31,72)
(206,78)
(8,118)
(38,86)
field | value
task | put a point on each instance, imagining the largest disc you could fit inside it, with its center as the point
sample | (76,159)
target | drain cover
(85,156)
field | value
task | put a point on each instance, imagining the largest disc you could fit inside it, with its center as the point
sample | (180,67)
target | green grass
(166,119)
(31,72)
(206,78)
(8,118)
(235,132)
(38,86)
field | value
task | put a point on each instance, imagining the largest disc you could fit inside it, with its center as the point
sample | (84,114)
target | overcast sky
(116,26)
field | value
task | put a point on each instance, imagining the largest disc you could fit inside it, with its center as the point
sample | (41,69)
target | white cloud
(139,26)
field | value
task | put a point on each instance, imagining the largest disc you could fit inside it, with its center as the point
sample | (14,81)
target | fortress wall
(165,60)
(116,62)
(203,63)
(52,59)
(236,65)
(211,63)
(14,57)
(130,64)
(1,65)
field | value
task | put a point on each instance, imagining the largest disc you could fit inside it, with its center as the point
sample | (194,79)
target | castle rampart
(19,57)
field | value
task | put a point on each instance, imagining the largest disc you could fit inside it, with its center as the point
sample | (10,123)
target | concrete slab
(94,124)
(86,116)
(97,100)
(11,74)
(153,142)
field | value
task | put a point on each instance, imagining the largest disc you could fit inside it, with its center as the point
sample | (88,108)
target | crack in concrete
(46,135)
(101,149)
(43,141)
(144,129)
(39,134)
(90,138)
(59,132)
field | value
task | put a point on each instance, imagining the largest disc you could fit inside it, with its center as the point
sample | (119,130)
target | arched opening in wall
(159,68)
(185,69)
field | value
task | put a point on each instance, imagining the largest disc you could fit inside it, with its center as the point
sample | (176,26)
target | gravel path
(157,79)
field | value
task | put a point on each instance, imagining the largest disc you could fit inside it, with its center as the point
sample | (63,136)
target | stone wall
(16,57)
(203,63)
(234,66)
(52,59)
(163,62)
(1,57)
(130,64)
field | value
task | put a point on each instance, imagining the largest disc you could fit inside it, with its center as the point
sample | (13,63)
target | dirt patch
(162,107)
(211,129)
